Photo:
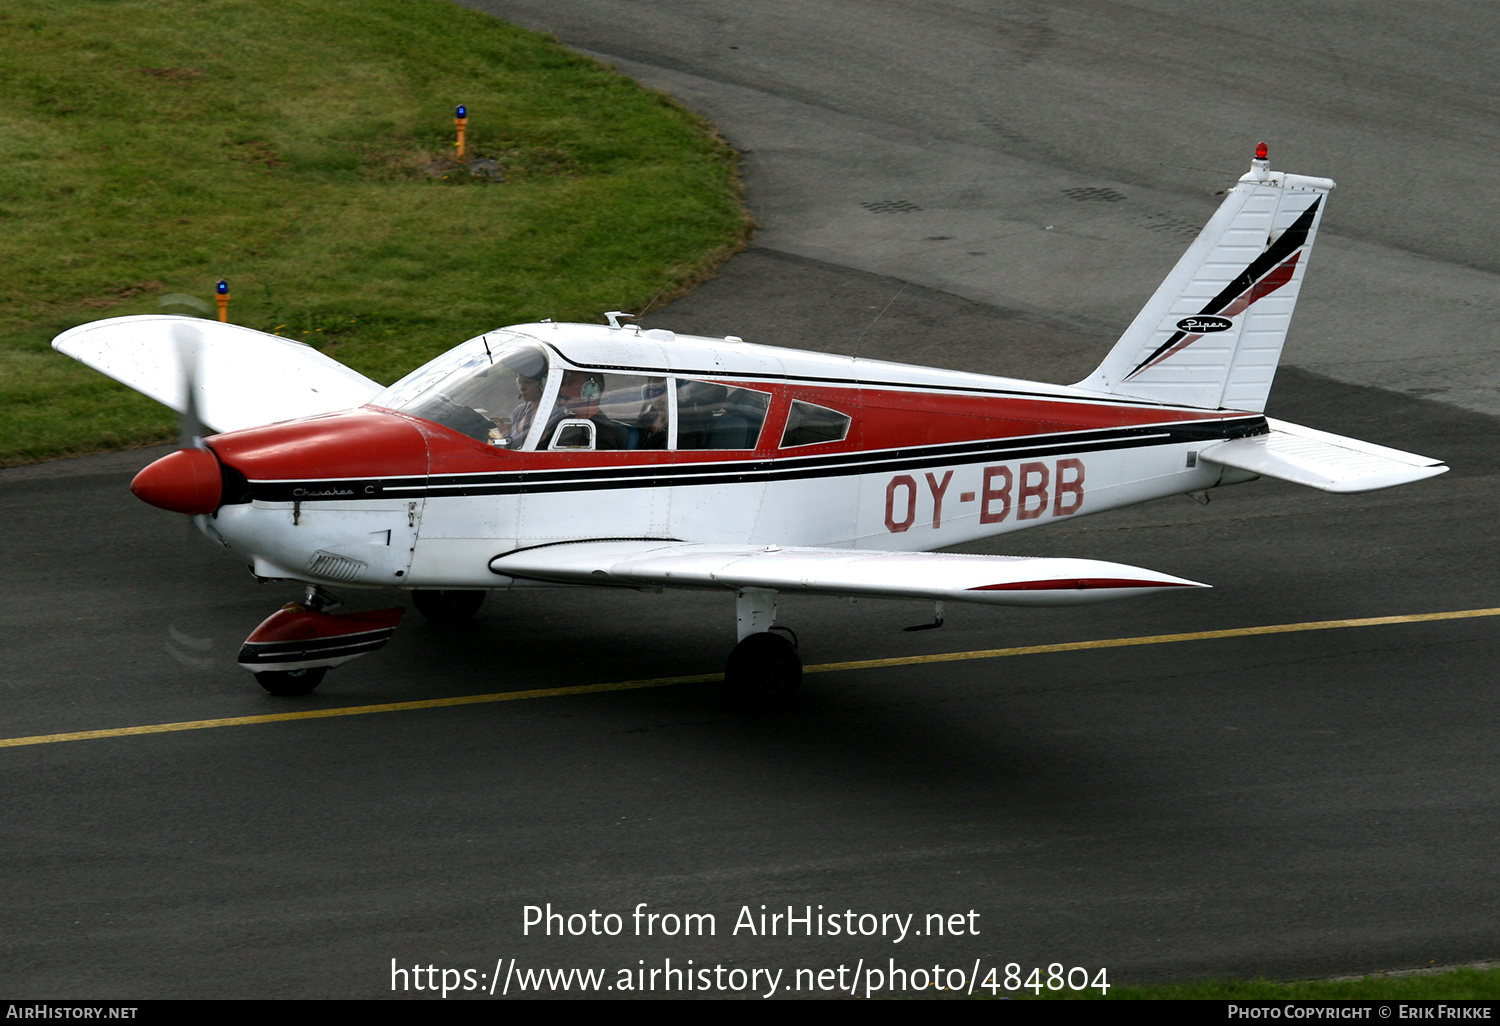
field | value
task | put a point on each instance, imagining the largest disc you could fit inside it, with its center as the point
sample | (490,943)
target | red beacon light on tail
(1260,167)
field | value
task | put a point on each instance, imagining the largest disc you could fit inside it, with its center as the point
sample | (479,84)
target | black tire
(287,683)
(764,673)
(445,607)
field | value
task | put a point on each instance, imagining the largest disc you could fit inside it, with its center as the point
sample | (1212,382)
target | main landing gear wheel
(287,683)
(764,673)
(447,606)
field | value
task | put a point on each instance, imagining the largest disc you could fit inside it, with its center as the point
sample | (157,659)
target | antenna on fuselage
(614,316)
(881,314)
(648,306)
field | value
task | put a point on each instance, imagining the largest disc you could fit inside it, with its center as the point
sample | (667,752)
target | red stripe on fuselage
(372,442)
(883,419)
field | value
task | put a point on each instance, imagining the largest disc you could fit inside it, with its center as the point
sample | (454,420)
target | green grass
(298,148)
(1471,984)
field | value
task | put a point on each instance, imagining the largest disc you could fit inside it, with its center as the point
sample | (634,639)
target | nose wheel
(287,683)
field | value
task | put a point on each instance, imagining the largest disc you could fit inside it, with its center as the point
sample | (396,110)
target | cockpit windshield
(488,388)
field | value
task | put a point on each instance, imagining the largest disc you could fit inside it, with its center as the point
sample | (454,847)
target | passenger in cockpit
(530,368)
(655,418)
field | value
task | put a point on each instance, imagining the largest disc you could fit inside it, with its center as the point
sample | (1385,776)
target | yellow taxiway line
(700,678)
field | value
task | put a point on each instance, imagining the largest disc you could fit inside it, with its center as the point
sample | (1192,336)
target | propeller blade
(189,340)
(195,629)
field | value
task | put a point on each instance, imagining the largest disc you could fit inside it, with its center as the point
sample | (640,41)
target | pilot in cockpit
(578,399)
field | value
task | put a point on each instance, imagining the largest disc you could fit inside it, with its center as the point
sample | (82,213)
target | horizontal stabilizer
(1318,459)
(243,377)
(993,580)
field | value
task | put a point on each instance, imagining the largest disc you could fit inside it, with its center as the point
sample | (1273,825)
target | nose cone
(187,481)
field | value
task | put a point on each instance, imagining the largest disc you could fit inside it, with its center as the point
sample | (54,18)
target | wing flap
(1319,459)
(244,378)
(992,580)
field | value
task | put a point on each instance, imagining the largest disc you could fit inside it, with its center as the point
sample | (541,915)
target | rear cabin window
(808,425)
(713,416)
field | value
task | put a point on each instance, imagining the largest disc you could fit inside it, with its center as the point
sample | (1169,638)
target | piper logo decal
(1204,324)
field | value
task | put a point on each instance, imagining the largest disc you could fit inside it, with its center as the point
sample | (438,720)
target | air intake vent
(339,568)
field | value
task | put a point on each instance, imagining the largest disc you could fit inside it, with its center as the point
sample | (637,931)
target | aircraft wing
(1318,459)
(993,580)
(243,377)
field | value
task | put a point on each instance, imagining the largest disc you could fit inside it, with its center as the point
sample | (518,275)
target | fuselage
(749,444)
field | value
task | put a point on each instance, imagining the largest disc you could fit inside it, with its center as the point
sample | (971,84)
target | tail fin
(1211,336)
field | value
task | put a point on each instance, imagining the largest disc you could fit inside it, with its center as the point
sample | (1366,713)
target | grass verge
(302,149)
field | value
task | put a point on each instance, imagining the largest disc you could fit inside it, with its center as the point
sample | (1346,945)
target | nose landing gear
(294,647)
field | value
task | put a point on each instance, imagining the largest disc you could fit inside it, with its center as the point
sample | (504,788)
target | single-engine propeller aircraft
(569,454)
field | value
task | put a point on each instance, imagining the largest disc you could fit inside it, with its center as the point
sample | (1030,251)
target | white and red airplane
(572,454)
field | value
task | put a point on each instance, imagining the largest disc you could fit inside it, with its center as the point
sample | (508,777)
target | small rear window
(808,425)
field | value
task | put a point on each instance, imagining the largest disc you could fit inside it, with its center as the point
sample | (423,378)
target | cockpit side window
(628,411)
(490,393)
(808,424)
(714,416)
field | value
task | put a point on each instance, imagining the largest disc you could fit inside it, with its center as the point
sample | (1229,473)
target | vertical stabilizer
(1212,334)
